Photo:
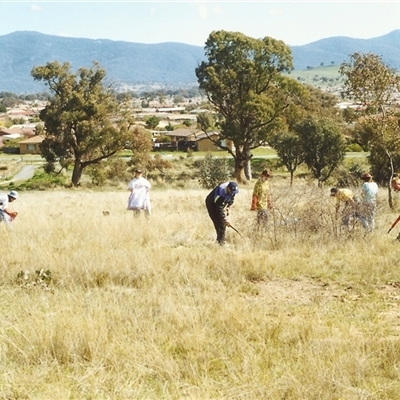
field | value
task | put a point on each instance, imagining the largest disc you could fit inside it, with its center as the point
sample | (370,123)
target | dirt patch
(304,291)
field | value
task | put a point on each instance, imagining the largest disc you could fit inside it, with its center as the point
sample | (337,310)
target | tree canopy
(291,145)
(374,86)
(83,121)
(323,145)
(243,80)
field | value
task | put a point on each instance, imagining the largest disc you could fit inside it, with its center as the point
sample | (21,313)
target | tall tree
(373,85)
(83,121)
(243,80)
(290,151)
(313,103)
(323,146)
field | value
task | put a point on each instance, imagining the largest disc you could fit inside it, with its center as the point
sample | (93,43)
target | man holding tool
(219,199)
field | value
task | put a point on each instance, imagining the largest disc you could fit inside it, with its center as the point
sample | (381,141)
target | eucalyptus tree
(289,149)
(83,121)
(373,85)
(292,145)
(323,145)
(244,80)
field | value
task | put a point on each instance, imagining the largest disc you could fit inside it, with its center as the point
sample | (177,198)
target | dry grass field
(129,308)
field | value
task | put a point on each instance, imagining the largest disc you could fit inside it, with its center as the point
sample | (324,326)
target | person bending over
(218,202)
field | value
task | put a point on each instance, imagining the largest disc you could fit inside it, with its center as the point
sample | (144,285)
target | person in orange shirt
(261,199)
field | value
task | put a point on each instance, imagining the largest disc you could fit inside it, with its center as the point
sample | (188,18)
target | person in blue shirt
(218,202)
(369,191)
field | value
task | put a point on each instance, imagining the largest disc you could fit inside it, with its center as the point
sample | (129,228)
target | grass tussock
(102,305)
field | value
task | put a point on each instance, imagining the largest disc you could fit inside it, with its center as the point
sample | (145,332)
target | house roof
(203,135)
(182,132)
(20,129)
(12,136)
(169,109)
(17,111)
(33,139)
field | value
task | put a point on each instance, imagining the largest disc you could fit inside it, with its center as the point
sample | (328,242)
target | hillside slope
(164,64)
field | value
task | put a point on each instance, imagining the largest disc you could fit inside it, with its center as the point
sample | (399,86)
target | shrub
(213,171)
(41,181)
(354,147)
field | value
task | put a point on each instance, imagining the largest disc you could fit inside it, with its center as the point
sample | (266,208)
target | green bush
(97,173)
(354,148)
(41,181)
(213,171)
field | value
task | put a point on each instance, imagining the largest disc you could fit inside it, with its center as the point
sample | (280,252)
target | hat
(233,187)
(266,173)
(334,191)
(13,194)
(366,176)
(138,171)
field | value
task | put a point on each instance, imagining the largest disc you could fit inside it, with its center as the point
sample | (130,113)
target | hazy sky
(190,22)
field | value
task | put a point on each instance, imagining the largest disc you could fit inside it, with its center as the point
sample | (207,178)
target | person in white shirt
(5,214)
(369,191)
(139,198)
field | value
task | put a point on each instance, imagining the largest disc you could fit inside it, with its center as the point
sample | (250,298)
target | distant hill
(337,50)
(165,64)
(126,63)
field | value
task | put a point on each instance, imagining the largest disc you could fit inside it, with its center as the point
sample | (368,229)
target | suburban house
(182,134)
(20,130)
(170,109)
(31,145)
(184,138)
(204,143)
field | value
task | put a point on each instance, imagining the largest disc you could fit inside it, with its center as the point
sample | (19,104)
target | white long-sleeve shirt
(140,197)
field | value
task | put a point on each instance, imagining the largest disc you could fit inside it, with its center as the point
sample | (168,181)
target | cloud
(218,10)
(275,11)
(202,10)
(36,8)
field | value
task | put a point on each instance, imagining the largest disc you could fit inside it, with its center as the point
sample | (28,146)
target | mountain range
(169,65)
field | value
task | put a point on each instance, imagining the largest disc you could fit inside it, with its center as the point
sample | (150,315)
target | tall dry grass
(139,309)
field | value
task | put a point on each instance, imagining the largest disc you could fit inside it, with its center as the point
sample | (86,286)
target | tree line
(254,102)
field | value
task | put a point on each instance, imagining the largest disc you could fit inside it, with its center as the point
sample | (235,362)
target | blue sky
(190,22)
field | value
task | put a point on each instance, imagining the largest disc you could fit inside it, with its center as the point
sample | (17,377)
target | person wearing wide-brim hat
(261,198)
(5,214)
(369,191)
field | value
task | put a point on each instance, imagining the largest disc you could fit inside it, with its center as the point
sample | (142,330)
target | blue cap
(233,187)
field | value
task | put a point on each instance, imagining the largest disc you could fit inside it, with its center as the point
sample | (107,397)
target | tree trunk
(77,173)
(291,178)
(239,170)
(247,170)
(390,197)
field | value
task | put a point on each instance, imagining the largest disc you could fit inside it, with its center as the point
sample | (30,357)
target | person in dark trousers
(218,202)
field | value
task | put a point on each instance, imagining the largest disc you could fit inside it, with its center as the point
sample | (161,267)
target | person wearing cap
(369,191)
(139,198)
(5,214)
(346,197)
(218,203)
(261,198)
